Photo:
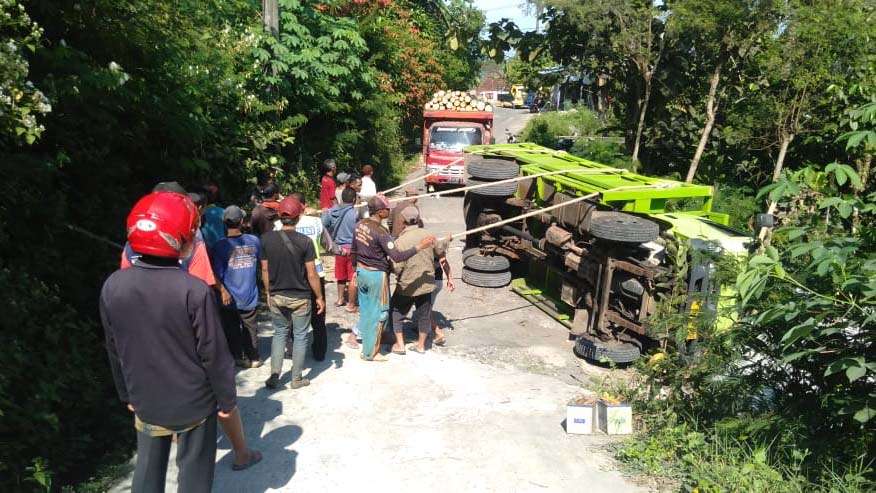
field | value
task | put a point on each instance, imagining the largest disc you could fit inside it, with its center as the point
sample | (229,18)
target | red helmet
(291,207)
(161,223)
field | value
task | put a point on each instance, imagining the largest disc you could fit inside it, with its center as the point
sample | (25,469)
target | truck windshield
(453,138)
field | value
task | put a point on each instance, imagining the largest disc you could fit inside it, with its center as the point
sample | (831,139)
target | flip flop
(351,310)
(340,304)
(377,358)
(439,341)
(352,345)
(254,458)
(415,349)
(398,352)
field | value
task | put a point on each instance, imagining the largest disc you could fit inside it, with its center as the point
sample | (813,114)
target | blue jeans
(287,311)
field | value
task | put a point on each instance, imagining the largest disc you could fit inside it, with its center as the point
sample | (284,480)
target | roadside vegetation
(773,103)
(101,99)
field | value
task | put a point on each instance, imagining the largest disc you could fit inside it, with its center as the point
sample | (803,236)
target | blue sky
(497,9)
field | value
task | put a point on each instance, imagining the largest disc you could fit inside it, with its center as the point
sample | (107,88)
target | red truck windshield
(453,138)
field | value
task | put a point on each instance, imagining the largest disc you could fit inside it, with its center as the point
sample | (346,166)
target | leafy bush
(55,394)
(604,152)
(546,127)
(790,386)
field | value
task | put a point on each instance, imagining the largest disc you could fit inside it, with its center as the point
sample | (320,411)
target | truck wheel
(485,279)
(468,252)
(503,190)
(492,169)
(483,263)
(597,351)
(625,228)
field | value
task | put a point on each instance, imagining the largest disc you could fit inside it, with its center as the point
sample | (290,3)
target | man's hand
(450,285)
(226,297)
(426,243)
(227,415)
(131,408)
(320,306)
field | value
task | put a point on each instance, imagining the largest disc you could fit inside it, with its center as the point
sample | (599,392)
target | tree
(632,31)
(819,47)
(729,32)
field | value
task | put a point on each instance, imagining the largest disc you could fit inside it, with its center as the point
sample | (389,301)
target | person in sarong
(372,249)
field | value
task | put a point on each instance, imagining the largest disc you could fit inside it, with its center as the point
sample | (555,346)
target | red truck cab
(445,134)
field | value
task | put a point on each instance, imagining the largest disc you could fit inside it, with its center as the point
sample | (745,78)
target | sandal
(340,304)
(377,357)
(352,344)
(398,351)
(351,310)
(415,349)
(440,341)
(254,458)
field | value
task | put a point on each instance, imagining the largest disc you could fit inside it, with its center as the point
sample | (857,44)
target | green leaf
(798,332)
(865,414)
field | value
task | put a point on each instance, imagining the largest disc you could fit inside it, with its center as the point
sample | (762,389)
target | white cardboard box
(614,419)
(579,418)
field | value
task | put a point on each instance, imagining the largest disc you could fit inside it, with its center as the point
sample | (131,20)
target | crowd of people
(182,311)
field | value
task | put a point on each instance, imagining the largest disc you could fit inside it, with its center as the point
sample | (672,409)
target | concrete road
(484,414)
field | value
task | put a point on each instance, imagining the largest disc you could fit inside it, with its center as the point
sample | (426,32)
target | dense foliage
(101,99)
(770,96)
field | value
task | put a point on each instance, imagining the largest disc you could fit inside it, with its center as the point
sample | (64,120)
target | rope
(94,236)
(556,206)
(393,189)
(509,180)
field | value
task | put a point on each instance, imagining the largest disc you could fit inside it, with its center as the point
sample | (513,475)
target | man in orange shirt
(197,263)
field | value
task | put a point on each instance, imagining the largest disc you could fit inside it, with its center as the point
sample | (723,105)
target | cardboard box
(614,418)
(579,418)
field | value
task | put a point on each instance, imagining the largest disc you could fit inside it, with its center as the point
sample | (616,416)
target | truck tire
(483,263)
(625,228)
(503,190)
(485,279)
(492,169)
(468,252)
(597,351)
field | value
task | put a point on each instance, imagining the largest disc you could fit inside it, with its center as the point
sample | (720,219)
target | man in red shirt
(327,187)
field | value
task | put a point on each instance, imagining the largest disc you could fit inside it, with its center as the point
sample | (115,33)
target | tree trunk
(711,112)
(777,173)
(642,110)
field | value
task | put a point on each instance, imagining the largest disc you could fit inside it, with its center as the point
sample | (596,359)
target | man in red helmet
(168,355)
(290,280)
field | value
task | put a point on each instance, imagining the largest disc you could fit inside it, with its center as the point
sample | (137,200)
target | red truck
(445,134)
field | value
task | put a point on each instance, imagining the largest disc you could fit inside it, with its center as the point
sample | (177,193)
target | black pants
(400,305)
(242,332)
(195,458)
(320,337)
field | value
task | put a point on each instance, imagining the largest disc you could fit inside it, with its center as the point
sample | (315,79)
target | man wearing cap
(311,227)
(415,282)
(395,222)
(372,249)
(290,281)
(168,357)
(235,262)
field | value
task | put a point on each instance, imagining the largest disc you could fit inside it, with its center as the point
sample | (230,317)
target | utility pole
(271,16)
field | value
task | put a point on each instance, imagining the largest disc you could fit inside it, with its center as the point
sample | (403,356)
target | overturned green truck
(599,266)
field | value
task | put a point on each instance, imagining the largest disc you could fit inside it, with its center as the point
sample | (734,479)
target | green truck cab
(599,266)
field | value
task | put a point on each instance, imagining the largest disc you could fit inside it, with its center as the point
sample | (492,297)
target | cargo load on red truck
(453,120)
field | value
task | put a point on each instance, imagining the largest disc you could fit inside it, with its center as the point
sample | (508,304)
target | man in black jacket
(167,351)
